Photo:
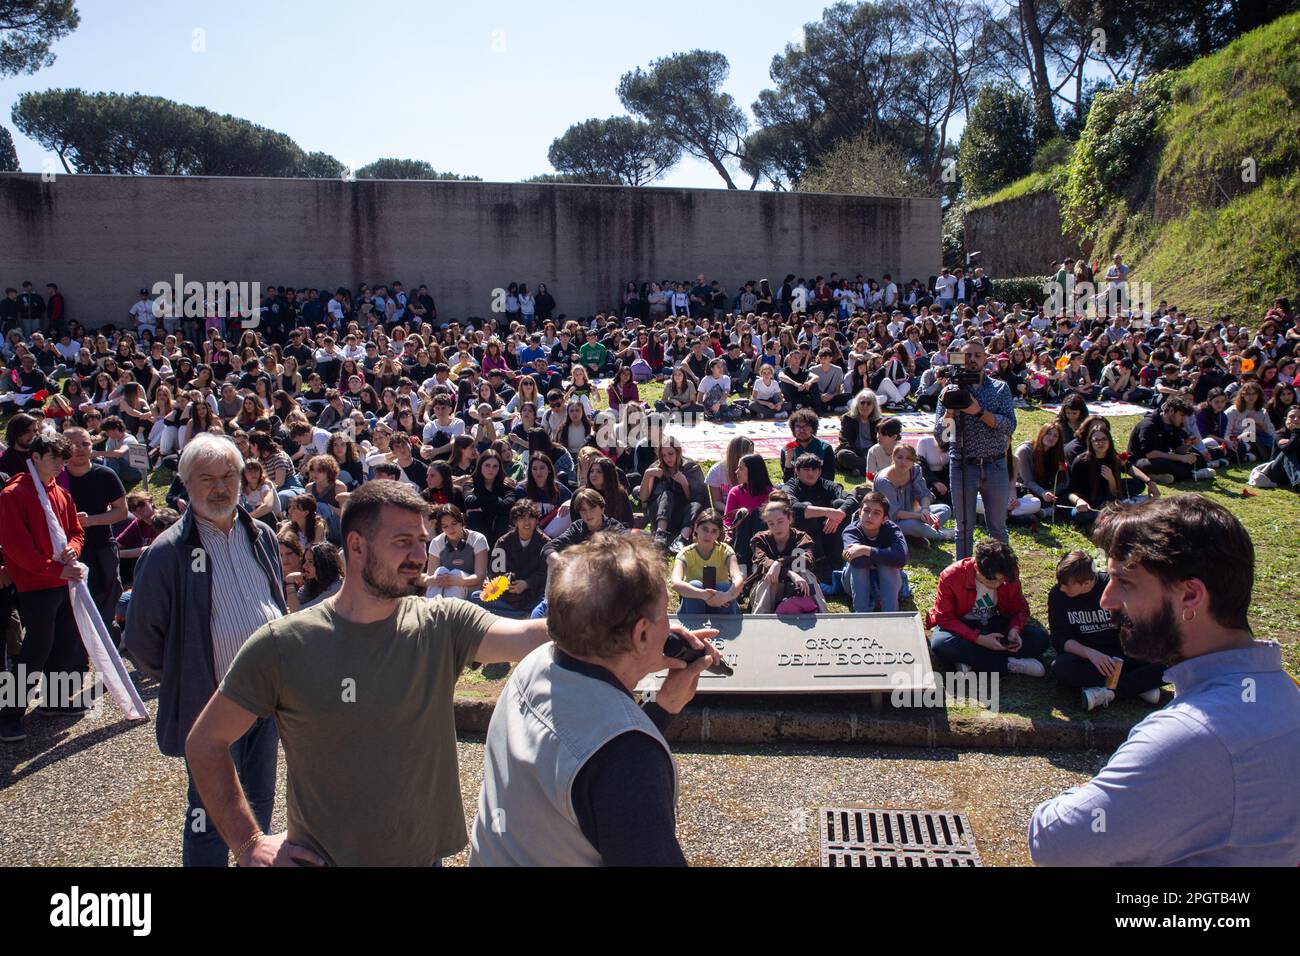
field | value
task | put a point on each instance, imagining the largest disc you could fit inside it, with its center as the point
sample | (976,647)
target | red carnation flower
(1064,468)
(871,476)
(1123,458)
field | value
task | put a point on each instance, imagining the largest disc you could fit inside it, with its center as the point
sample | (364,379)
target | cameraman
(574,772)
(975,422)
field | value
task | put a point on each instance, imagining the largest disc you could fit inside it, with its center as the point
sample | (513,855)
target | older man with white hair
(201,590)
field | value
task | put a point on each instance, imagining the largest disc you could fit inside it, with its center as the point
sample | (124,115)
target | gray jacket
(168,622)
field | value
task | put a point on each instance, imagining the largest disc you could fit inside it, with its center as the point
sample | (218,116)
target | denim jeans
(952,649)
(255,756)
(697,605)
(870,584)
(500,608)
(916,528)
(965,482)
(1088,518)
(539,611)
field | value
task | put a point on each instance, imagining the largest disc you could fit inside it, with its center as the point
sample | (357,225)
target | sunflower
(495,588)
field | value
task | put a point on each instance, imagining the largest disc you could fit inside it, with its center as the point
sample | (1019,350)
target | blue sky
(479,88)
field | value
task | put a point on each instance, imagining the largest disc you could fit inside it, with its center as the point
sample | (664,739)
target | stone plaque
(815,654)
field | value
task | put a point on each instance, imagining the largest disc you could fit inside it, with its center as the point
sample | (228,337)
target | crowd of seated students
(528,433)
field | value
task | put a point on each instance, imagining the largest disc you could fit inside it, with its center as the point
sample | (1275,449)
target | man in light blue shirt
(1210,780)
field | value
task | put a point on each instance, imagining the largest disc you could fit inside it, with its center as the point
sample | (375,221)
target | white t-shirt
(709,382)
(143,313)
(378,458)
(717,479)
(453,428)
(945,286)
(492,425)
(475,540)
(766,392)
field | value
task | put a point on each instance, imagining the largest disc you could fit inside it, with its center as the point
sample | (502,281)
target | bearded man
(1210,779)
(361,688)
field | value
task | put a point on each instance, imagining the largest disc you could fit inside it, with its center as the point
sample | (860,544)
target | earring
(1186,619)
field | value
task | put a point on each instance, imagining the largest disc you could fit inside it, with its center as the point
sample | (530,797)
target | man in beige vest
(576,772)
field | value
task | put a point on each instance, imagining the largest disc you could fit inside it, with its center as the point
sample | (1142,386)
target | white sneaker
(947,534)
(1203,474)
(1151,696)
(1094,697)
(1260,480)
(1028,666)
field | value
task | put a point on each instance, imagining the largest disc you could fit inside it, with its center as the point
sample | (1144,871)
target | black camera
(962,382)
(679,648)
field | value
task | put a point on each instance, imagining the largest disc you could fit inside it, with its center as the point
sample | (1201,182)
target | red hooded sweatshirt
(25,537)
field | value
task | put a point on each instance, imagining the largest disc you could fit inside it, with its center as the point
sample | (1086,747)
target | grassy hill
(1194,177)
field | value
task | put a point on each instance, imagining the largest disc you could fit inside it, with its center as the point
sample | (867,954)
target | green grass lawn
(1272,518)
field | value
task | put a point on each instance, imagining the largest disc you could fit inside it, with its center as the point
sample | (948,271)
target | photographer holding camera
(575,773)
(974,420)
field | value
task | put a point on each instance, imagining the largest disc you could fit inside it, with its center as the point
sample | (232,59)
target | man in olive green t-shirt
(361,689)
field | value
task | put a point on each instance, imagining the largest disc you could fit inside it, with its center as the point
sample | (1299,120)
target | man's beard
(1155,639)
(214,512)
(390,586)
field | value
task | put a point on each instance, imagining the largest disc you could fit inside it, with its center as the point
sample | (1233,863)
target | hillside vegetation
(1194,176)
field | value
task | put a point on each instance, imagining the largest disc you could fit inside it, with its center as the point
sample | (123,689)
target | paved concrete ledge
(760,720)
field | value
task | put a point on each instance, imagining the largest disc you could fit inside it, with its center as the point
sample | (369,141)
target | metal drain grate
(902,838)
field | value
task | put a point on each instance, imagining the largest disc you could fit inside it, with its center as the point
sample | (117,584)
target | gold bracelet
(257,835)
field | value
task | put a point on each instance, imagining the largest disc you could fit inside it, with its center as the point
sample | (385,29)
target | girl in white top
(765,400)
(257,496)
(458,558)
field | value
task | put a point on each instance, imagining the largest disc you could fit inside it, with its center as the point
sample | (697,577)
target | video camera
(962,381)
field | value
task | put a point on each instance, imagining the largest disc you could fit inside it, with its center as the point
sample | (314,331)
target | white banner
(99,643)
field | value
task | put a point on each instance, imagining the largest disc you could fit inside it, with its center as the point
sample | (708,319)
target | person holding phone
(980,618)
(706,573)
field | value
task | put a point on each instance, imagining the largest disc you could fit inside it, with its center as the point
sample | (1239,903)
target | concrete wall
(103,237)
(1020,237)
